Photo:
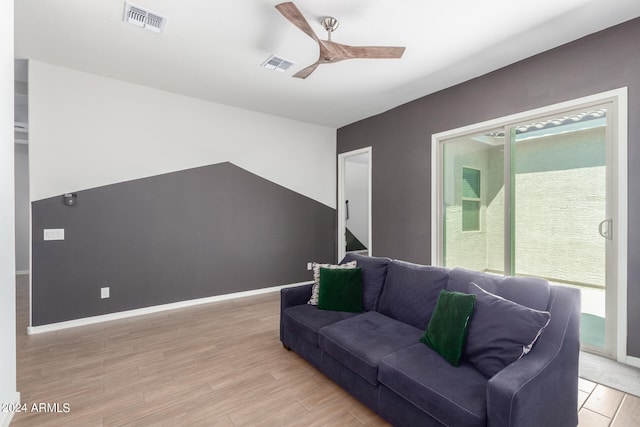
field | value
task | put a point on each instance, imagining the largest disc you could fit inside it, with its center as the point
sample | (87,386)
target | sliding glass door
(559,201)
(532,198)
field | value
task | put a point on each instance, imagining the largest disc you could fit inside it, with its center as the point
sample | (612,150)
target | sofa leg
(286,347)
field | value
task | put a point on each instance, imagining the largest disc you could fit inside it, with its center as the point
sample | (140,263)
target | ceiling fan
(331,51)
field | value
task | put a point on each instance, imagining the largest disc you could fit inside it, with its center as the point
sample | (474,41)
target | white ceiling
(212,49)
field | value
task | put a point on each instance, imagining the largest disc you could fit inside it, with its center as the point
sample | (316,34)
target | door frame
(619,203)
(342,159)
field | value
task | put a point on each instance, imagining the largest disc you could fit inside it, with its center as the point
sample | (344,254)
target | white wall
(23,223)
(87,131)
(8,391)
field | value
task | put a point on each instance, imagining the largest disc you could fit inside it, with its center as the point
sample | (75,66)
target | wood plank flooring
(218,364)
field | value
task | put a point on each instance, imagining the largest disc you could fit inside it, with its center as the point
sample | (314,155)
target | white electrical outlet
(104,292)
(54,234)
(309,266)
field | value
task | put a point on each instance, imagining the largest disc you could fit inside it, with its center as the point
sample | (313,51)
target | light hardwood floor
(218,364)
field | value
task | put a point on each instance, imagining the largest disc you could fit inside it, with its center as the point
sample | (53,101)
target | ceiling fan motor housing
(330,24)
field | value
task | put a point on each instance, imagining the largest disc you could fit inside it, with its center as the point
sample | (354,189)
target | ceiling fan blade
(305,72)
(373,52)
(293,14)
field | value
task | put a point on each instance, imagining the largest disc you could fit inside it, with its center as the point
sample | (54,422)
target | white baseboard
(6,417)
(633,361)
(22,272)
(32,330)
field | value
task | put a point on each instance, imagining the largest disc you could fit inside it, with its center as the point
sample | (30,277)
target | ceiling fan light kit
(330,51)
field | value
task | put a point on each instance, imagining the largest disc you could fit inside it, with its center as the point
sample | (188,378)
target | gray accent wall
(184,235)
(401,138)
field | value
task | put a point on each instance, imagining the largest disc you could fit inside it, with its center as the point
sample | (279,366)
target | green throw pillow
(340,289)
(447,329)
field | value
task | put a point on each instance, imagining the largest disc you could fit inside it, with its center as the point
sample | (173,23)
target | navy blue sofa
(377,357)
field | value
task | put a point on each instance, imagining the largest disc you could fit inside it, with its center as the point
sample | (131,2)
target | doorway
(354,202)
(542,193)
(21,169)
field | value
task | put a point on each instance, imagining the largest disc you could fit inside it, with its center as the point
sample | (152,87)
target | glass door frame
(616,204)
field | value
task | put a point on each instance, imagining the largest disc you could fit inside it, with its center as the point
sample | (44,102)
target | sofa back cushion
(374,272)
(531,292)
(459,279)
(411,291)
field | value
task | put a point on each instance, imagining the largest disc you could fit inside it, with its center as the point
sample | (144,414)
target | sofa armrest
(541,389)
(293,296)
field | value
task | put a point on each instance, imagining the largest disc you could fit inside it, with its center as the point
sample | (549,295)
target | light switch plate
(54,234)
(104,292)
(309,266)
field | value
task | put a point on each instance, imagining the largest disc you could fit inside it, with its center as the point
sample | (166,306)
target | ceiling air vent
(143,18)
(277,64)
(154,22)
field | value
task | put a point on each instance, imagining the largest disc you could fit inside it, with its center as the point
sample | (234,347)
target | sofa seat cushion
(452,395)
(360,342)
(306,320)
